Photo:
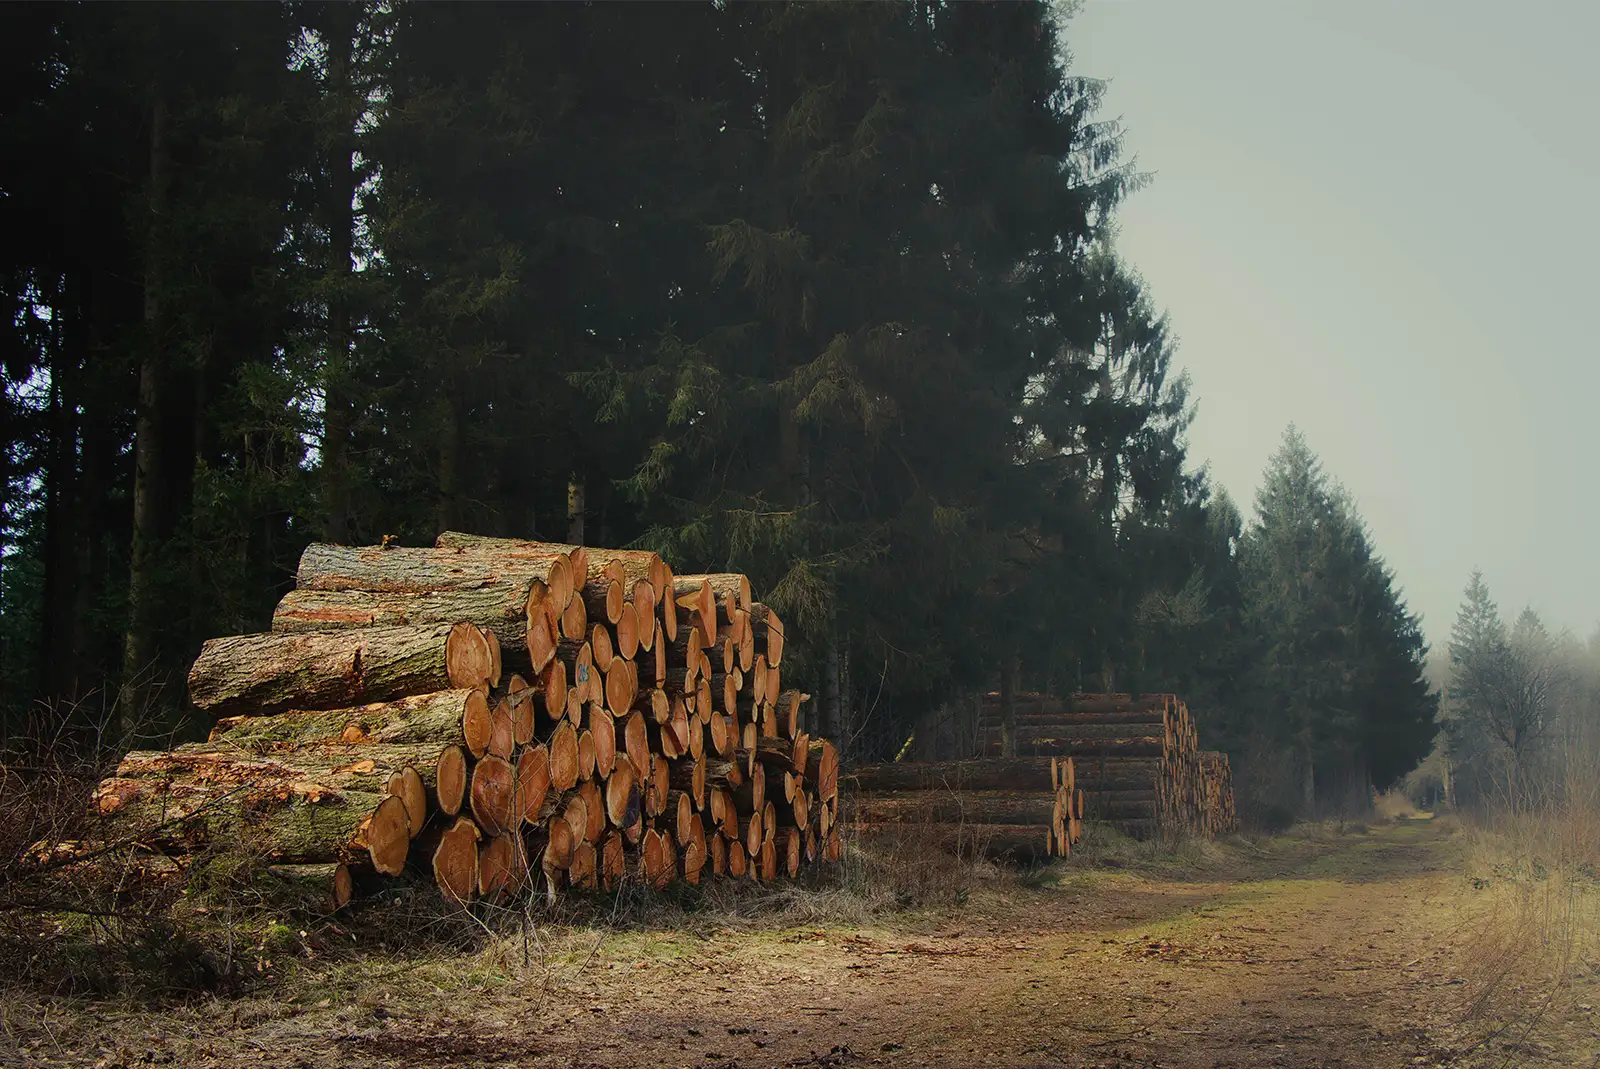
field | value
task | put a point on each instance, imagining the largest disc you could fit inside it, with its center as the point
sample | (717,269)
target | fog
(1377,221)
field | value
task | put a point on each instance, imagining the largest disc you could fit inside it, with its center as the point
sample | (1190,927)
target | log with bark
(276,671)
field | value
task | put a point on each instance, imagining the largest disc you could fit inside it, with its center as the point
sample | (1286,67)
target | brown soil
(1331,950)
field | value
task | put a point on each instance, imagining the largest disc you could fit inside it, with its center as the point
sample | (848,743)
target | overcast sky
(1380,221)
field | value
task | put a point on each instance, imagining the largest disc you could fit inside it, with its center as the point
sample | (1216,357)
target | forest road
(1329,949)
(1333,953)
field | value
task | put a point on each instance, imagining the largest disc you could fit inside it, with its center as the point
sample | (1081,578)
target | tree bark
(1018,773)
(328,669)
(278,820)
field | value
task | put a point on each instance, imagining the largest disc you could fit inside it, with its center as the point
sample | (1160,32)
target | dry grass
(1531,941)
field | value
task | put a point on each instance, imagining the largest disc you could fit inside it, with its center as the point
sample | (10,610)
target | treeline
(1521,716)
(822,293)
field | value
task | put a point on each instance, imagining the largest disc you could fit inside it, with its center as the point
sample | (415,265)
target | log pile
(1026,808)
(1218,815)
(497,715)
(1138,759)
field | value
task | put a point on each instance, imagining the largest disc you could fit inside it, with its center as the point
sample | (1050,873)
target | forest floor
(1327,947)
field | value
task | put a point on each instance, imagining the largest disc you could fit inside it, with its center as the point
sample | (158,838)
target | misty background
(1377,221)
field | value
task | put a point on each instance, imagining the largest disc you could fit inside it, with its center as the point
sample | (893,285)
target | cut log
(738,859)
(774,685)
(502,731)
(600,647)
(594,804)
(276,821)
(584,872)
(636,745)
(586,755)
(643,597)
(406,784)
(768,630)
(769,862)
(450,780)
(690,778)
(533,782)
(952,807)
(500,608)
(789,844)
(718,852)
(421,718)
(519,699)
(653,860)
(559,844)
(394,569)
(628,628)
(622,686)
(328,669)
(730,592)
(783,754)
(1015,773)
(574,620)
(658,656)
(332,767)
(453,854)
(562,575)
(539,638)
(692,858)
(496,664)
(603,598)
(720,735)
(622,797)
(502,867)
(698,604)
(750,795)
(554,686)
(604,729)
(657,787)
(575,814)
(635,564)
(822,769)
(724,813)
(564,757)
(493,796)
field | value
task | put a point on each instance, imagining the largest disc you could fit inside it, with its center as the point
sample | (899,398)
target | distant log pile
(498,715)
(1026,808)
(1137,758)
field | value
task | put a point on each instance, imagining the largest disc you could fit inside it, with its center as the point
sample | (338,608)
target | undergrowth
(1532,935)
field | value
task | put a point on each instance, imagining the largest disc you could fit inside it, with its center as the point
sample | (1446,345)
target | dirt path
(1316,954)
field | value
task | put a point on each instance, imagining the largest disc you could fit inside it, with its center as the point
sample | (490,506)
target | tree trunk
(339,211)
(575,504)
(151,508)
(328,669)
(273,819)
(949,807)
(1018,773)
(499,608)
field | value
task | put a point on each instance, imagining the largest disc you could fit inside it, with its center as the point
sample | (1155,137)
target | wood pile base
(1024,809)
(1137,758)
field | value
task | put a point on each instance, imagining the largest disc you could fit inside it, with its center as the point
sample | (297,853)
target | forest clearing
(1361,948)
(643,534)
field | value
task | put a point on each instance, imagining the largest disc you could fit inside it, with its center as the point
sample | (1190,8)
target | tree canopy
(826,293)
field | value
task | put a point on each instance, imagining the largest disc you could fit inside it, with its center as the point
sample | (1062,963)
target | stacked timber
(1217,811)
(497,715)
(1137,757)
(1025,808)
